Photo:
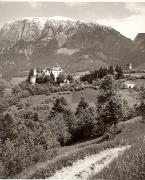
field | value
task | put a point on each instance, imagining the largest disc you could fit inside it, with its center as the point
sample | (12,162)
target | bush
(24,142)
(23,94)
(27,114)
(85,124)
(2,89)
(59,106)
(60,129)
(40,107)
(65,88)
(16,90)
(11,100)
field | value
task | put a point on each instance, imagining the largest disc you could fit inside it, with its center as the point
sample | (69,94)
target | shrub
(23,94)
(40,107)
(16,90)
(12,100)
(48,92)
(2,89)
(25,142)
(60,129)
(3,105)
(65,88)
(83,104)
(85,124)
(27,114)
(128,112)
(59,106)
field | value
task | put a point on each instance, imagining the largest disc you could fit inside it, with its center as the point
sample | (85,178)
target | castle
(56,70)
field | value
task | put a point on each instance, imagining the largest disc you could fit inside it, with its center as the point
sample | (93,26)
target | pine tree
(111,70)
(119,72)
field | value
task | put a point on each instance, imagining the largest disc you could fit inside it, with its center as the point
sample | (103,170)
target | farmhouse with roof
(129,84)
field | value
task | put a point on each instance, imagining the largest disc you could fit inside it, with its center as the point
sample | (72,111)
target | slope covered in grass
(131,164)
(133,133)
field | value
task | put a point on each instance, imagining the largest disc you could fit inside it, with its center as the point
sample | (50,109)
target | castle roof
(56,68)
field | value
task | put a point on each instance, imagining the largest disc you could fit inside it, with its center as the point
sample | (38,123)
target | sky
(126,17)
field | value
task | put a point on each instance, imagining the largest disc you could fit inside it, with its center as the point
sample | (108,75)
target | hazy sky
(128,18)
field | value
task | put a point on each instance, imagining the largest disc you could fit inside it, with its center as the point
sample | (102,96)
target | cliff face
(75,45)
(139,42)
(136,55)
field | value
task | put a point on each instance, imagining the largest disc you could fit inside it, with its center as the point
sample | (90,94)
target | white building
(56,70)
(33,77)
(129,84)
(47,71)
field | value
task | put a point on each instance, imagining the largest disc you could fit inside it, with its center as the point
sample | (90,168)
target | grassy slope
(131,164)
(132,134)
(130,95)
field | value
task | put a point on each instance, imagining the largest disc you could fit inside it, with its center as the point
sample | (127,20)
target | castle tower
(33,77)
(56,71)
(129,67)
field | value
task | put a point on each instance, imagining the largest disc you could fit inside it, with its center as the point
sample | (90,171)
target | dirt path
(83,169)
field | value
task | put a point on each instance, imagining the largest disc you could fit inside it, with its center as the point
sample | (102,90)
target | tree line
(117,72)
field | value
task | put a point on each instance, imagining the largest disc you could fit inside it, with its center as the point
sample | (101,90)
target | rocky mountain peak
(75,45)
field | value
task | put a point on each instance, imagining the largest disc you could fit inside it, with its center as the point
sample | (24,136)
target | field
(138,75)
(89,94)
(17,80)
(73,98)
(130,96)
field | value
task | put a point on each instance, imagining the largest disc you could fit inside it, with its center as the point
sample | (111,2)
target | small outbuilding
(129,84)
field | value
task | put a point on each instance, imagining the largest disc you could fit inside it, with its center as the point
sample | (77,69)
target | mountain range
(74,45)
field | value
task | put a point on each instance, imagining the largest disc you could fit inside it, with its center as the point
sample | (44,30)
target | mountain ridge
(75,45)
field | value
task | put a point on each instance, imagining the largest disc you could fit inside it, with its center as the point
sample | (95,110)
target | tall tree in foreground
(109,105)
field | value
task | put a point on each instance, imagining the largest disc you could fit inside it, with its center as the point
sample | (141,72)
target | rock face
(74,45)
(136,55)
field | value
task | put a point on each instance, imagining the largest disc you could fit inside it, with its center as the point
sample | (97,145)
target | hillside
(136,54)
(75,45)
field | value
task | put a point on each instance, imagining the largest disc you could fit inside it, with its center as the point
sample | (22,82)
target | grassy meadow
(73,98)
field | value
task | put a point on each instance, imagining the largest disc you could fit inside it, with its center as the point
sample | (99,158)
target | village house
(56,70)
(129,84)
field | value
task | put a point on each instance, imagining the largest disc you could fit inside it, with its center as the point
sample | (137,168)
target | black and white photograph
(72,90)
